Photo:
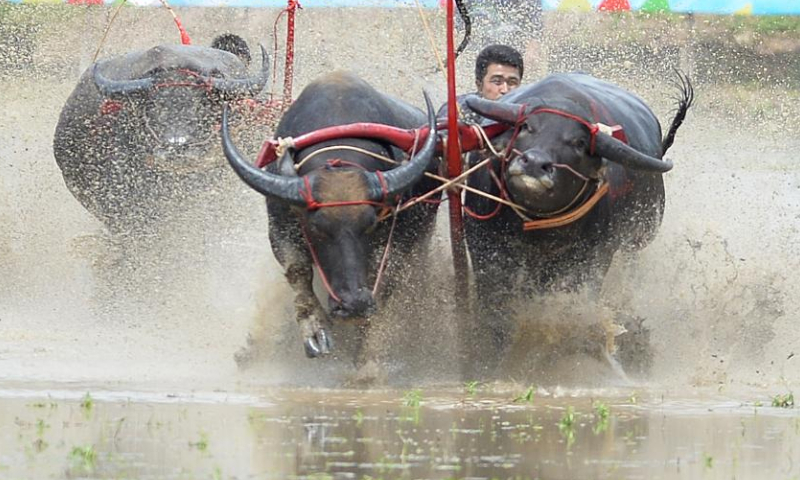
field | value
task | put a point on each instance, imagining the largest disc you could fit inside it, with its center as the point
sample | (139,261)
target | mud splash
(716,292)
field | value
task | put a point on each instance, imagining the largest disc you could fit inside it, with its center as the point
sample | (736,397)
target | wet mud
(149,327)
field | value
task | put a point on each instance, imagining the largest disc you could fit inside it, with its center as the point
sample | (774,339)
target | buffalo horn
(265,183)
(110,87)
(401,178)
(615,151)
(245,86)
(493,110)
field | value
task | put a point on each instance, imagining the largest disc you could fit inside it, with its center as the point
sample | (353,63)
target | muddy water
(149,330)
(390,434)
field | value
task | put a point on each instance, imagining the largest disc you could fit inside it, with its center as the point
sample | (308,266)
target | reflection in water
(335,434)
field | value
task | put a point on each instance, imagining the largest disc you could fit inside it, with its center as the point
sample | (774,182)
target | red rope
(321,272)
(313,204)
(185,40)
(593,128)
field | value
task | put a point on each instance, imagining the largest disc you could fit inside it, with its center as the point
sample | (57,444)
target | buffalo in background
(585,194)
(139,133)
(326,203)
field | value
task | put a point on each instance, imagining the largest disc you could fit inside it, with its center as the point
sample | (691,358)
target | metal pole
(454,167)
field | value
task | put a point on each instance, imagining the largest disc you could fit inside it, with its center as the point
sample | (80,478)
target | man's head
(498,70)
(233,43)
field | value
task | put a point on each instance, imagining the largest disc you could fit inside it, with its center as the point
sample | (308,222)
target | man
(498,70)
(235,44)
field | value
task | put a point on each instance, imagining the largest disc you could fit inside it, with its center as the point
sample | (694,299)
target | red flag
(614,6)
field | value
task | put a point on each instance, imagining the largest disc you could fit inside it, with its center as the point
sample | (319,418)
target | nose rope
(324,278)
(385,256)
(559,165)
(318,266)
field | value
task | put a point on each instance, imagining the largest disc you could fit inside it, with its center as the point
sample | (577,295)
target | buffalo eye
(319,225)
(580,144)
(530,128)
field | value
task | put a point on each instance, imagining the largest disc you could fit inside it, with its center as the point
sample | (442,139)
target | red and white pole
(454,165)
(288,73)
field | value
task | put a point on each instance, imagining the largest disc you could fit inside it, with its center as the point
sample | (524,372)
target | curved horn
(505,112)
(400,178)
(615,151)
(265,183)
(110,87)
(245,86)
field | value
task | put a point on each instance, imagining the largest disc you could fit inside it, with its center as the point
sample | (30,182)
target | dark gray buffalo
(585,191)
(325,201)
(142,129)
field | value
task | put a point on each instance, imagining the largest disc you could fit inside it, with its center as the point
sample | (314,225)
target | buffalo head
(339,205)
(174,95)
(557,153)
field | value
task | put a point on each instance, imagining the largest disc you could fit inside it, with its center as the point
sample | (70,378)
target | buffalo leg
(289,248)
(310,316)
(490,335)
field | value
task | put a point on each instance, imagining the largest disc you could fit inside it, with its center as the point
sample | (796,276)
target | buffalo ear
(286,164)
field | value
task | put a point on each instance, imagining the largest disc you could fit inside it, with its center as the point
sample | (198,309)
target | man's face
(499,80)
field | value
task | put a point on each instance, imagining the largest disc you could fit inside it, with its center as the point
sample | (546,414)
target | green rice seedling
(87,404)
(601,414)
(783,401)
(528,396)
(358,417)
(567,426)
(41,426)
(202,444)
(84,458)
(320,476)
(472,387)
(568,420)
(412,398)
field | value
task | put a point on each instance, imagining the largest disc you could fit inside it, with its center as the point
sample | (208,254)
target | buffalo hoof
(634,350)
(318,344)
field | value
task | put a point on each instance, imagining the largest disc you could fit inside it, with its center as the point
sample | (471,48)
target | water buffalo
(141,129)
(325,202)
(585,191)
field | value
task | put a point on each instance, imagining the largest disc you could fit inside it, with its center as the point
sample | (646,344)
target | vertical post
(288,73)
(454,167)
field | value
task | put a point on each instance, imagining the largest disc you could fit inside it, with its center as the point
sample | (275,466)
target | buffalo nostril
(548,167)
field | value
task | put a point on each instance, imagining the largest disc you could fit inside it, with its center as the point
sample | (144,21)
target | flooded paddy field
(439,434)
(117,359)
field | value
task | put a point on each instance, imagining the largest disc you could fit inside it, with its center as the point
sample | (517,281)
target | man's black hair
(230,42)
(500,54)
